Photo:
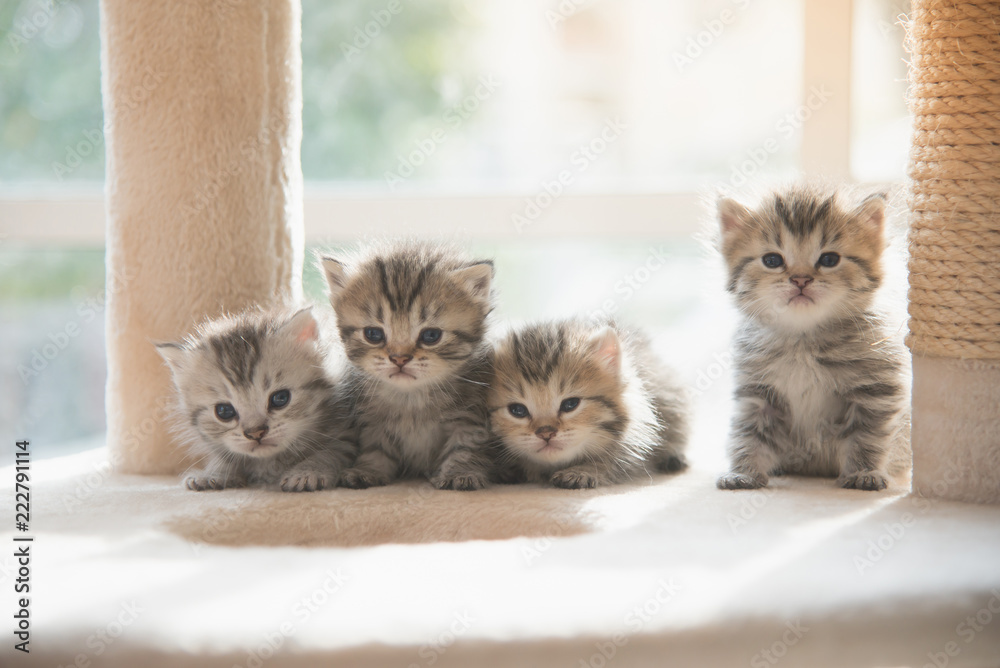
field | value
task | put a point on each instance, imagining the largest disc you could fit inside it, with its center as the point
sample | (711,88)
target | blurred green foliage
(373,81)
(50,69)
(36,274)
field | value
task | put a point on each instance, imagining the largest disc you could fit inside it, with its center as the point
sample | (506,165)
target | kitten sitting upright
(255,397)
(819,383)
(581,406)
(412,317)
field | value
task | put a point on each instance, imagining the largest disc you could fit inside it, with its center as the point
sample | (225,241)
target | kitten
(819,378)
(255,397)
(412,318)
(580,405)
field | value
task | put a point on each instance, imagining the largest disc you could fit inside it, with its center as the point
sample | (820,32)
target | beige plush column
(955,249)
(202,104)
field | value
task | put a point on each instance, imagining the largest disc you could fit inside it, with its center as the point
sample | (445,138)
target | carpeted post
(204,188)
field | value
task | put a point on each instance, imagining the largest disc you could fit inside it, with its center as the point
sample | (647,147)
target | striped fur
(242,361)
(631,417)
(426,418)
(819,377)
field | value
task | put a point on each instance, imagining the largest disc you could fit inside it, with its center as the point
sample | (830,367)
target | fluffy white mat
(134,571)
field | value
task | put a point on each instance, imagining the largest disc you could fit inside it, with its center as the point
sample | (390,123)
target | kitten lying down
(255,398)
(819,378)
(579,405)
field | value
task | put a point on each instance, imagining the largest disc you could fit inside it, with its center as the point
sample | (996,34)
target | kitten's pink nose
(256,433)
(400,360)
(545,433)
(801,281)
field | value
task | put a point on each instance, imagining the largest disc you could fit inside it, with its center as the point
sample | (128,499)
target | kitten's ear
(606,347)
(872,210)
(174,354)
(335,273)
(302,326)
(476,279)
(732,216)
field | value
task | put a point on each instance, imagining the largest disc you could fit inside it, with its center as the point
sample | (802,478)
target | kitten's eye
(568,405)
(280,399)
(773,260)
(430,336)
(518,410)
(829,259)
(374,334)
(225,412)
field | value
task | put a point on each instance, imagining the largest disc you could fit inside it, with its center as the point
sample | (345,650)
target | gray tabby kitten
(255,398)
(412,317)
(819,378)
(582,405)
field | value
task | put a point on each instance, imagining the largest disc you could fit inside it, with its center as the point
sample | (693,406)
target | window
(573,140)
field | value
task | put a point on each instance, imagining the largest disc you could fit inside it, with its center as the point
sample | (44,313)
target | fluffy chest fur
(806,386)
(416,427)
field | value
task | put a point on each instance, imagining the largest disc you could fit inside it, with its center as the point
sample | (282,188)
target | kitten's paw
(672,464)
(466,482)
(574,479)
(362,479)
(741,481)
(304,481)
(200,483)
(870,481)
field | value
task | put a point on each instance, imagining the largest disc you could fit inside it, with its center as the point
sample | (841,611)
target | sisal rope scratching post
(955,249)
(204,188)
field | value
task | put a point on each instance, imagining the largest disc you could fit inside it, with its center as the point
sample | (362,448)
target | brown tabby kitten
(257,399)
(580,405)
(819,383)
(412,317)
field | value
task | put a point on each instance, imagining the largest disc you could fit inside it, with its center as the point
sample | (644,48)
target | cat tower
(954,297)
(204,208)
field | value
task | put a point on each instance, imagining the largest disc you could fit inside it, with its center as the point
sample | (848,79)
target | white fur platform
(134,571)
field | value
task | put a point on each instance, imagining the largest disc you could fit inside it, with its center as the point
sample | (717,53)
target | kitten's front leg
(320,470)
(465,461)
(216,475)
(373,468)
(868,431)
(583,476)
(753,449)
